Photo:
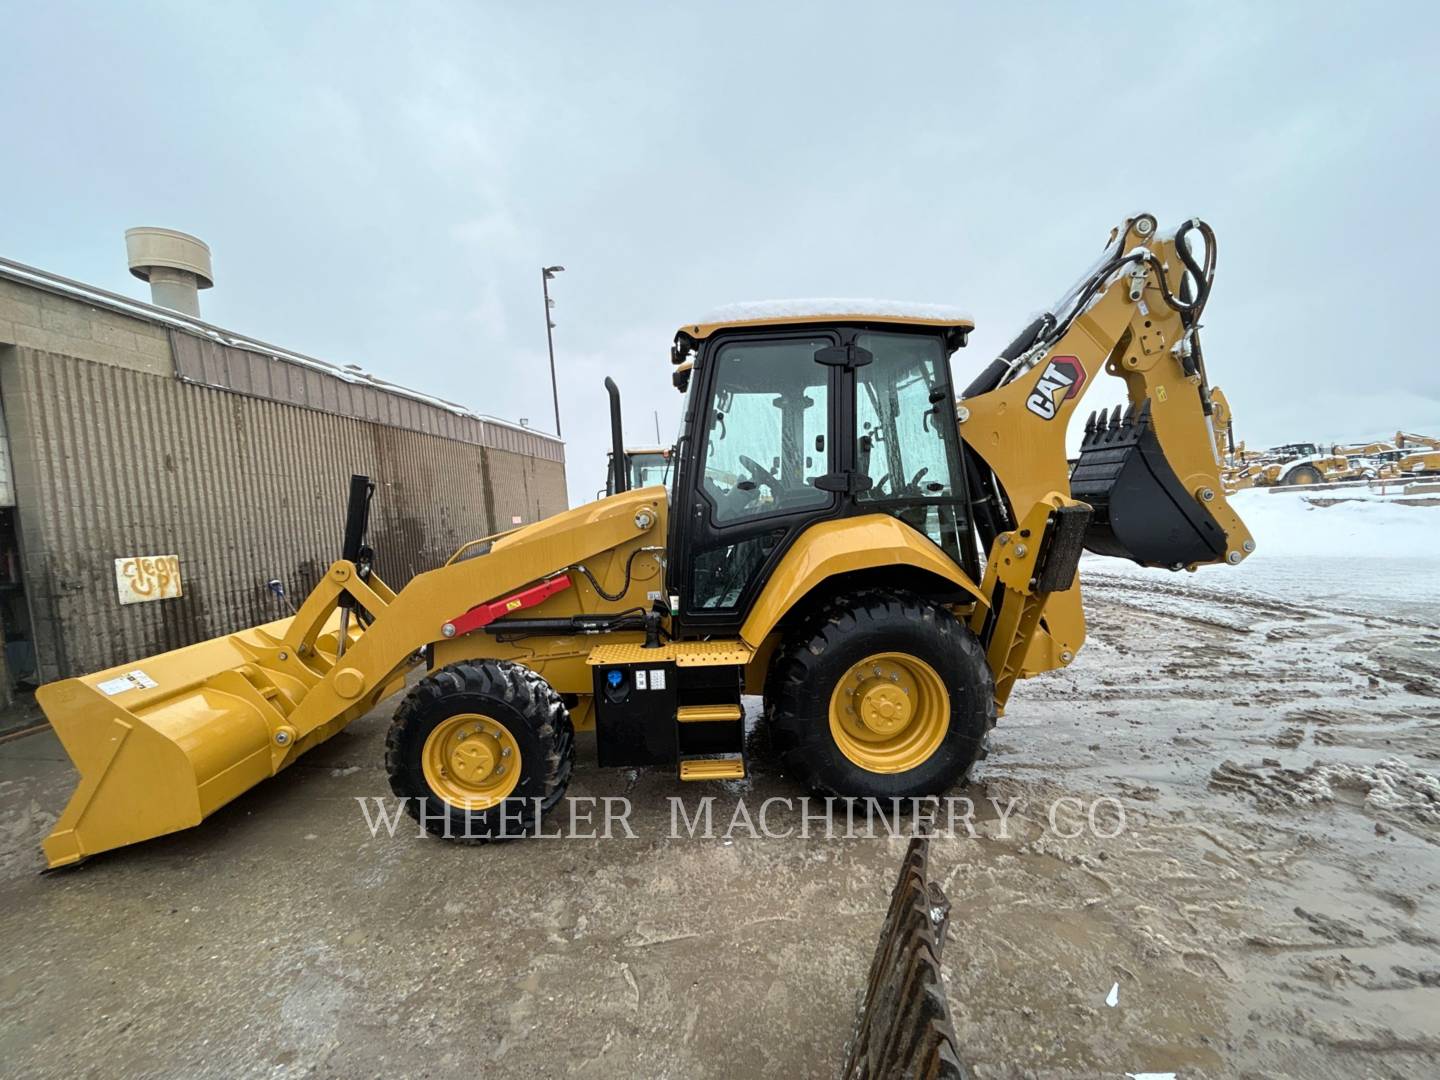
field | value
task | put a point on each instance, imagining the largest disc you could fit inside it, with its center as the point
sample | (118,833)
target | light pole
(545,275)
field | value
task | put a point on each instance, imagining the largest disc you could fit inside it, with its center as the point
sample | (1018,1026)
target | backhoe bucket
(164,742)
(1142,511)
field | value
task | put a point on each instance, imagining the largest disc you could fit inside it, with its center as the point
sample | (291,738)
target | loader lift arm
(221,715)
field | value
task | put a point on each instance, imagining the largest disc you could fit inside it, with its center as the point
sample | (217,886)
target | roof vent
(176,264)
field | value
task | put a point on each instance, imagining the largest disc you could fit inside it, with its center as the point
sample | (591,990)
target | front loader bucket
(1142,511)
(164,742)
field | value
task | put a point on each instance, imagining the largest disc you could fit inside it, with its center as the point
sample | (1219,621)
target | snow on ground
(1290,524)
(1364,557)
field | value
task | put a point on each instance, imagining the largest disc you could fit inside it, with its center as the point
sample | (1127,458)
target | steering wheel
(761,474)
(915,480)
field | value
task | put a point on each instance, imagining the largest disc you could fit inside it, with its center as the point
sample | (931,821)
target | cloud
(381,185)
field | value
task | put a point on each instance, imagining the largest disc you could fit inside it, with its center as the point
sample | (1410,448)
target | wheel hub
(471,761)
(884,708)
(889,712)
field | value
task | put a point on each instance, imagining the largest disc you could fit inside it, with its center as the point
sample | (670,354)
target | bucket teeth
(1141,512)
(1113,428)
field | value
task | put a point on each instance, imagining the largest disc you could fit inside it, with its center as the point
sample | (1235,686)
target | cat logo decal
(1061,379)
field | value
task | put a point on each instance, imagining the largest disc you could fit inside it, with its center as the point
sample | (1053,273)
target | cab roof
(789,312)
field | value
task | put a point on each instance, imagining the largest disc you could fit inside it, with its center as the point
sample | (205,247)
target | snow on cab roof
(763,312)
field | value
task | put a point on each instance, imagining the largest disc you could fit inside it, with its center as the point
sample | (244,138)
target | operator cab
(806,412)
(645,466)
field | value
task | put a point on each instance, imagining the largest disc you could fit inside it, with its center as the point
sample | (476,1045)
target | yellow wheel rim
(889,712)
(471,761)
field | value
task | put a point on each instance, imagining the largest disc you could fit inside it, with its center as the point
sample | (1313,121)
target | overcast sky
(380,185)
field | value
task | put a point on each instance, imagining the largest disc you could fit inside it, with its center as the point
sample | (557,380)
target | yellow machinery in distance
(1301,464)
(880,563)
(645,466)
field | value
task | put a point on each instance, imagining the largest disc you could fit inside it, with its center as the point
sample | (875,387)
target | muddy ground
(1269,909)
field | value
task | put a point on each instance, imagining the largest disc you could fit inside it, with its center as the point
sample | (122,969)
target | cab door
(762,425)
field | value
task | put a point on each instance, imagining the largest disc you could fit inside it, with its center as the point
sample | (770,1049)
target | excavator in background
(1420,454)
(1407,440)
(881,564)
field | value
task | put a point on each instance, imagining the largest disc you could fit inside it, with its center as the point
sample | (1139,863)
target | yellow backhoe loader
(880,563)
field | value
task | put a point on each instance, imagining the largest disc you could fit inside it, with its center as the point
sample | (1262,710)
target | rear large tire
(880,695)
(1304,474)
(475,745)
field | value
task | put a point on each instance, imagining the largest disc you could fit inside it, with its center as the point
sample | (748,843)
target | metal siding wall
(119,463)
(226,367)
(523,487)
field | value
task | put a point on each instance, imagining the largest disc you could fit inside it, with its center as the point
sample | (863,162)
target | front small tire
(880,695)
(473,747)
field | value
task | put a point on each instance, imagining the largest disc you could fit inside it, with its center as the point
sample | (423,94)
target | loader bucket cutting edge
(1142,511)
(193,730)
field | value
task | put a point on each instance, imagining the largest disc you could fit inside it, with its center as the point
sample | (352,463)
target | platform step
(716,768)
(724,653)
(707,714)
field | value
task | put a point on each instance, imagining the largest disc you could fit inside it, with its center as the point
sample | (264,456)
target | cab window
(766,438)
(902,445)
(905,436)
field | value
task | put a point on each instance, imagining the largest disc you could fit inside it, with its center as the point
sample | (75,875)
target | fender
(831,548)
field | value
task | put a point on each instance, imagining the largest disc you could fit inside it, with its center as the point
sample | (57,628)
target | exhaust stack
(618,468)
(176,264)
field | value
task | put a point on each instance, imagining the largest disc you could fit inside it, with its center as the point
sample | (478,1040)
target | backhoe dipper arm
(1151,475)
